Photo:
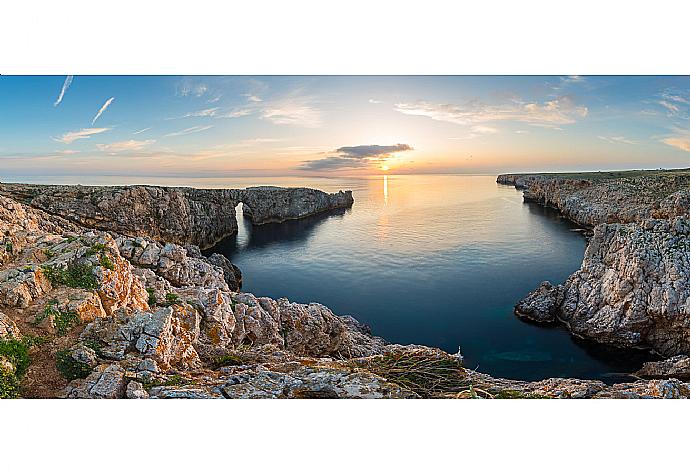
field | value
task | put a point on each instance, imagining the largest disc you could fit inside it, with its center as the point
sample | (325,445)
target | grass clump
(64,320)
(152,297)
(106,262)
(95,249)
(226,361)
(171,299)
(172,381)
(16,352)
(75,275)
(69,367)
(516,394)
(427,374)
(9,247)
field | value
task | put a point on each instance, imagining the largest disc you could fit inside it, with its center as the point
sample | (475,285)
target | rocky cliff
(180,215)
(632,288)
(91,314)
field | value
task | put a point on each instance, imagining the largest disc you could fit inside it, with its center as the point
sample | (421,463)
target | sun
(384,168)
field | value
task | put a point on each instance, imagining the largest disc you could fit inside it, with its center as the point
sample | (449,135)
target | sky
(339,125)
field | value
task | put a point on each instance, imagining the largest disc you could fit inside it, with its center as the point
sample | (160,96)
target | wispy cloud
(680,142)
(559,111)
(83,133)
(193,129)
(292,111)
(205,112)
(187,88)
(371,100)
(102,109)
(476,131)
(349,157)
(237,113)
(130,145)
(141,131)
(65,86)
(253,98)
(617,140)
(676,103)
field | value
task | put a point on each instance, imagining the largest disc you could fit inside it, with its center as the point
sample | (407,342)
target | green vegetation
(106,262)
(64,320)
(16,352)
(426,374)
(152,297)
(69,367)
(75,275)
(171,299)
(172,381)
(227,360)
(48,253)
(515,394)
(9,248)
(95,249)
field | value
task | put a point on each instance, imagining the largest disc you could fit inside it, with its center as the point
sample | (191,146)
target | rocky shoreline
(632,289)
(104,293)
(179,215)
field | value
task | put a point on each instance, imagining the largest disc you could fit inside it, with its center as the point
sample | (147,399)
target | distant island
(105,293)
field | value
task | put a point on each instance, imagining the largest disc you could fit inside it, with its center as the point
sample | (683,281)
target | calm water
(434,260)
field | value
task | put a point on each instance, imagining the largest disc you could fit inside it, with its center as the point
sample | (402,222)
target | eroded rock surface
(179,215)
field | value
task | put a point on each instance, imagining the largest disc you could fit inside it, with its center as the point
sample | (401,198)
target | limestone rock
(8,328)
(106,381)
(232,273)
(177,215)
(136,390)
(677,367)
(542,304)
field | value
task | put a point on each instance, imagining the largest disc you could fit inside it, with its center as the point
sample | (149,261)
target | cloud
(103,108)
(237,113)
(65,86)
(67,152)
(130,145)
(559,111)
(371,100)
(253,98)
(205,112)
(292,112)
(675,103)
(141,131)
(617,139)
(83,133)
(349,157)
(187,88)
(193,129)
(680,142)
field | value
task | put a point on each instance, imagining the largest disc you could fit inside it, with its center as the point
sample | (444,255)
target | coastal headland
(104,293)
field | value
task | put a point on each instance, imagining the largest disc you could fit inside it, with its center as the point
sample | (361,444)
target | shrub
(171,299)
(16,351)
(424,373)
(152,296)
(64,321)
(75,275)
(228,360)
(106,262)
(95,249)
(69,367)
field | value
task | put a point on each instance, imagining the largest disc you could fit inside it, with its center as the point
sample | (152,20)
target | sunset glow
(313,126)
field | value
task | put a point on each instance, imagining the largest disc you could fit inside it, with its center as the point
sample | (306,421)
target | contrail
(65,86)
(103,108)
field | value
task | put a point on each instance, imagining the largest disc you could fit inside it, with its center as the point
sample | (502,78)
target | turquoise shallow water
(434,260)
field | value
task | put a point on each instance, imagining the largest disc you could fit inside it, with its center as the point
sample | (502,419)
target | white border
(354,37)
